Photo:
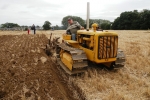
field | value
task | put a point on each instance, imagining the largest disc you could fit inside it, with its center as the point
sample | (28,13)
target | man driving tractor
(73,27)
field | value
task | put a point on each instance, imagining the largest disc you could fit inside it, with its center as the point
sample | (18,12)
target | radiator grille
(107,47)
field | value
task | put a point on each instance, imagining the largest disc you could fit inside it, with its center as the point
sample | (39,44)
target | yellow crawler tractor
(94,46)
(100,47)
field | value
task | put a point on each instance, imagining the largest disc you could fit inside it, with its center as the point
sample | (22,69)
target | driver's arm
(79,26)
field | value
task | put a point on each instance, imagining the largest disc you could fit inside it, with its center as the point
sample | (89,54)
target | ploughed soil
(27,73)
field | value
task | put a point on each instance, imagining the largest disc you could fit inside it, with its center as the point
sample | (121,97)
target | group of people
(33,29)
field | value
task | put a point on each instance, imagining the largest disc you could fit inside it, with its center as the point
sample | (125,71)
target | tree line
(9,25)
(128,20)
(132,20)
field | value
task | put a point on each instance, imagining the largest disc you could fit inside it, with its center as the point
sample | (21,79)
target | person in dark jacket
(33,28)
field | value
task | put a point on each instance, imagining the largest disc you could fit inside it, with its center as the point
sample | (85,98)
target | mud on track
(27,73)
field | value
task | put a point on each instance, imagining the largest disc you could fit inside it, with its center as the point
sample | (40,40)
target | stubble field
(27,73)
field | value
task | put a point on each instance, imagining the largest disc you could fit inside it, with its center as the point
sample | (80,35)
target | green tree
(144,19)
(135,20)
(105,26)
(116,24)
(9,25)
(47,25)
(75,18)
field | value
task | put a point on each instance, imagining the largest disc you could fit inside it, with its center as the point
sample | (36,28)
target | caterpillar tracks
(72,60)
(79,59)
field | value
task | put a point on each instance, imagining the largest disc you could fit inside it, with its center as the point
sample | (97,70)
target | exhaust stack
(88,14)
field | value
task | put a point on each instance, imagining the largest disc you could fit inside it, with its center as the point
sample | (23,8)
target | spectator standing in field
(33,27)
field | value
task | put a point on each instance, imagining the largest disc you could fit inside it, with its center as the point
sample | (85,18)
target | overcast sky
(28,12)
